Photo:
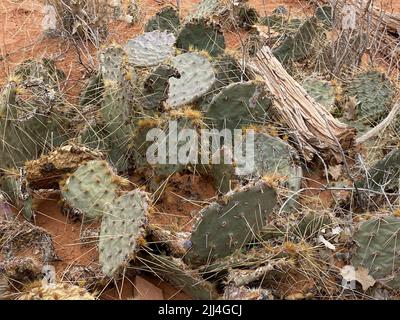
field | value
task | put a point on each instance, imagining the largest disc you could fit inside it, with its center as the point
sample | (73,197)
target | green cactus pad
(325,15)
(112,60)
(206,9)
(116,108)
(150,48)
(17,194)
(226,227)
(227,70)
(385,173)
(196,78)
(377,241)
(299,45)
(238,105)
(322,91)
(44,70)
(29,122)
(165,20)
(122,229)
(90,188)
(91,94)
(374,94)
(273,156)
(247,16)
(348,48)
(175,272)
(201,35)
(156,87)
(223,173)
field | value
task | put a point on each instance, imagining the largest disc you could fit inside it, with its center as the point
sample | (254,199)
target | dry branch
(381,26)
(315,129)
(381,126)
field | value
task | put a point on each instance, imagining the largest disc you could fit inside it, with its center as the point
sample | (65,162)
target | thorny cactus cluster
(256,239)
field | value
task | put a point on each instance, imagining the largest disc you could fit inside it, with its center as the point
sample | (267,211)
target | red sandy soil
(183,197)
(21,38)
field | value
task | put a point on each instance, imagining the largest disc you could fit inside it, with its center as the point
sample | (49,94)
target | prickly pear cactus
(277,160)
(179,275)
(90,188)
(197,76)
(181,155)
(30,121)
(113,60)
(374,94)
(118,76)
(44,70)
(377,249)
(28,124)
(237,105)
(227,70)
(156,86)
(92,133)
(59,291)
(226,227)
(202,36)
(298,46)
(273,156)
(322,91)
(177,160)
(91,94)
(311,225)
(247,16)
(15,187)
(384,174)
(117,105)
(207,8)
(348,48)
(280,23)
(325,15)
(150,48)
(165,20)
(122,229)
(223,173)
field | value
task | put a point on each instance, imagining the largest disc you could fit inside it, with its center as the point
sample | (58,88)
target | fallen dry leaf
(335,171)
(364,278)
(360,275)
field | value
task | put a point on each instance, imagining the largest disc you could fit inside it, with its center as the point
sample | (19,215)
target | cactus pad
(90,188)
(112,60)
(165,20)
(322,91)
(155,87)
(273,156)
(121,230)
(237,105)
(374,94)
(225,227)
(205,9)
(325,15)
(385,172)
(179,275)
(201,35)
(150,48)
(299,45)
(196,78)
(377,241)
